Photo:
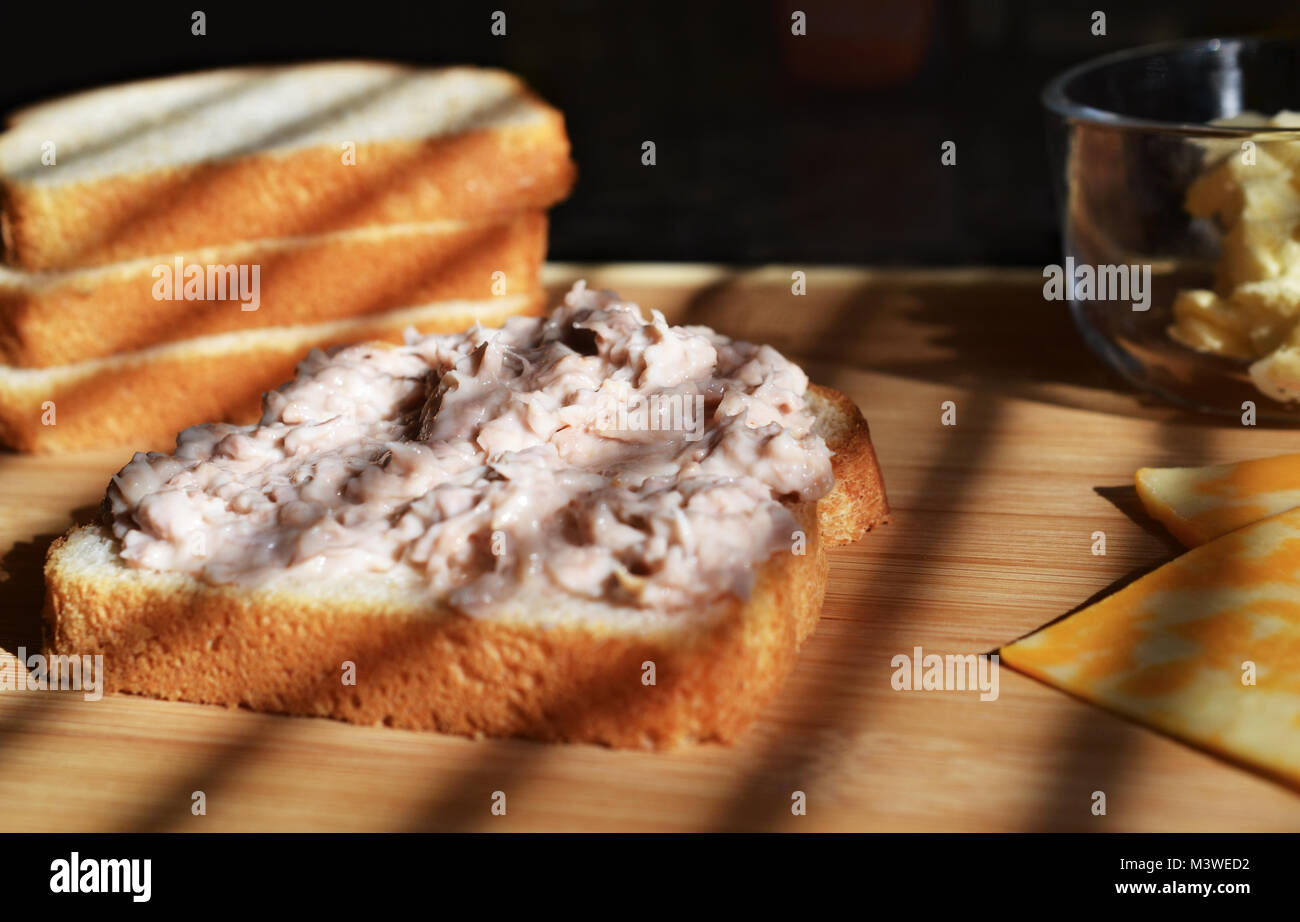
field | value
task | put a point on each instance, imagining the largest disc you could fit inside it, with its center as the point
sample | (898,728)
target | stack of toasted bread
(172,248)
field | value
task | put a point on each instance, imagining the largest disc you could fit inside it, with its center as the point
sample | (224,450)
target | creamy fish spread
(591,451)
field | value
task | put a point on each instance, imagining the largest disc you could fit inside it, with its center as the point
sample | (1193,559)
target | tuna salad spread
(589,451)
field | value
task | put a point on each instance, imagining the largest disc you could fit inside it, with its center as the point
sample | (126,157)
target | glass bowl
(1129,135)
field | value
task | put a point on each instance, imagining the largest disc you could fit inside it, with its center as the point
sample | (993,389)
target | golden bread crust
(145,401)
(312,280)
(858,501)
(444,671)
(480,175)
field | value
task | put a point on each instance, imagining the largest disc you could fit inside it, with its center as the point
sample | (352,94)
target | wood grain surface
(990,540)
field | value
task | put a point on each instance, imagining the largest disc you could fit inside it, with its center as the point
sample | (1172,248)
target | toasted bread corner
(857,503)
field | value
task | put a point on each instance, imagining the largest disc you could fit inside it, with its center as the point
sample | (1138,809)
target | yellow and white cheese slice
(1198,504)
(1206,648)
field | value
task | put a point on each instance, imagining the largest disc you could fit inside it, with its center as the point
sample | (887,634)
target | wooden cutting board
(991,538)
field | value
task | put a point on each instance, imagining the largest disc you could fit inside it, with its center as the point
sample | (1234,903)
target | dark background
(822,148)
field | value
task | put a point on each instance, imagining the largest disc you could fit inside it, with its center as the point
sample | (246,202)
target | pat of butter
(1198,504)
(1206,648)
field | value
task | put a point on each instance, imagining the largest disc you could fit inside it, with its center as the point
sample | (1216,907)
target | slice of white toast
(161,166)
(63,317)
(144,397)
(550,668)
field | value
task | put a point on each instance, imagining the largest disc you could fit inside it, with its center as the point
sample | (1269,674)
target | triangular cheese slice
(1178,648)
(1198,504)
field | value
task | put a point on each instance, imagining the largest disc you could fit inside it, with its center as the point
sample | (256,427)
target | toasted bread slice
(142,399)
(553,668)
(197,160)
(58,318)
